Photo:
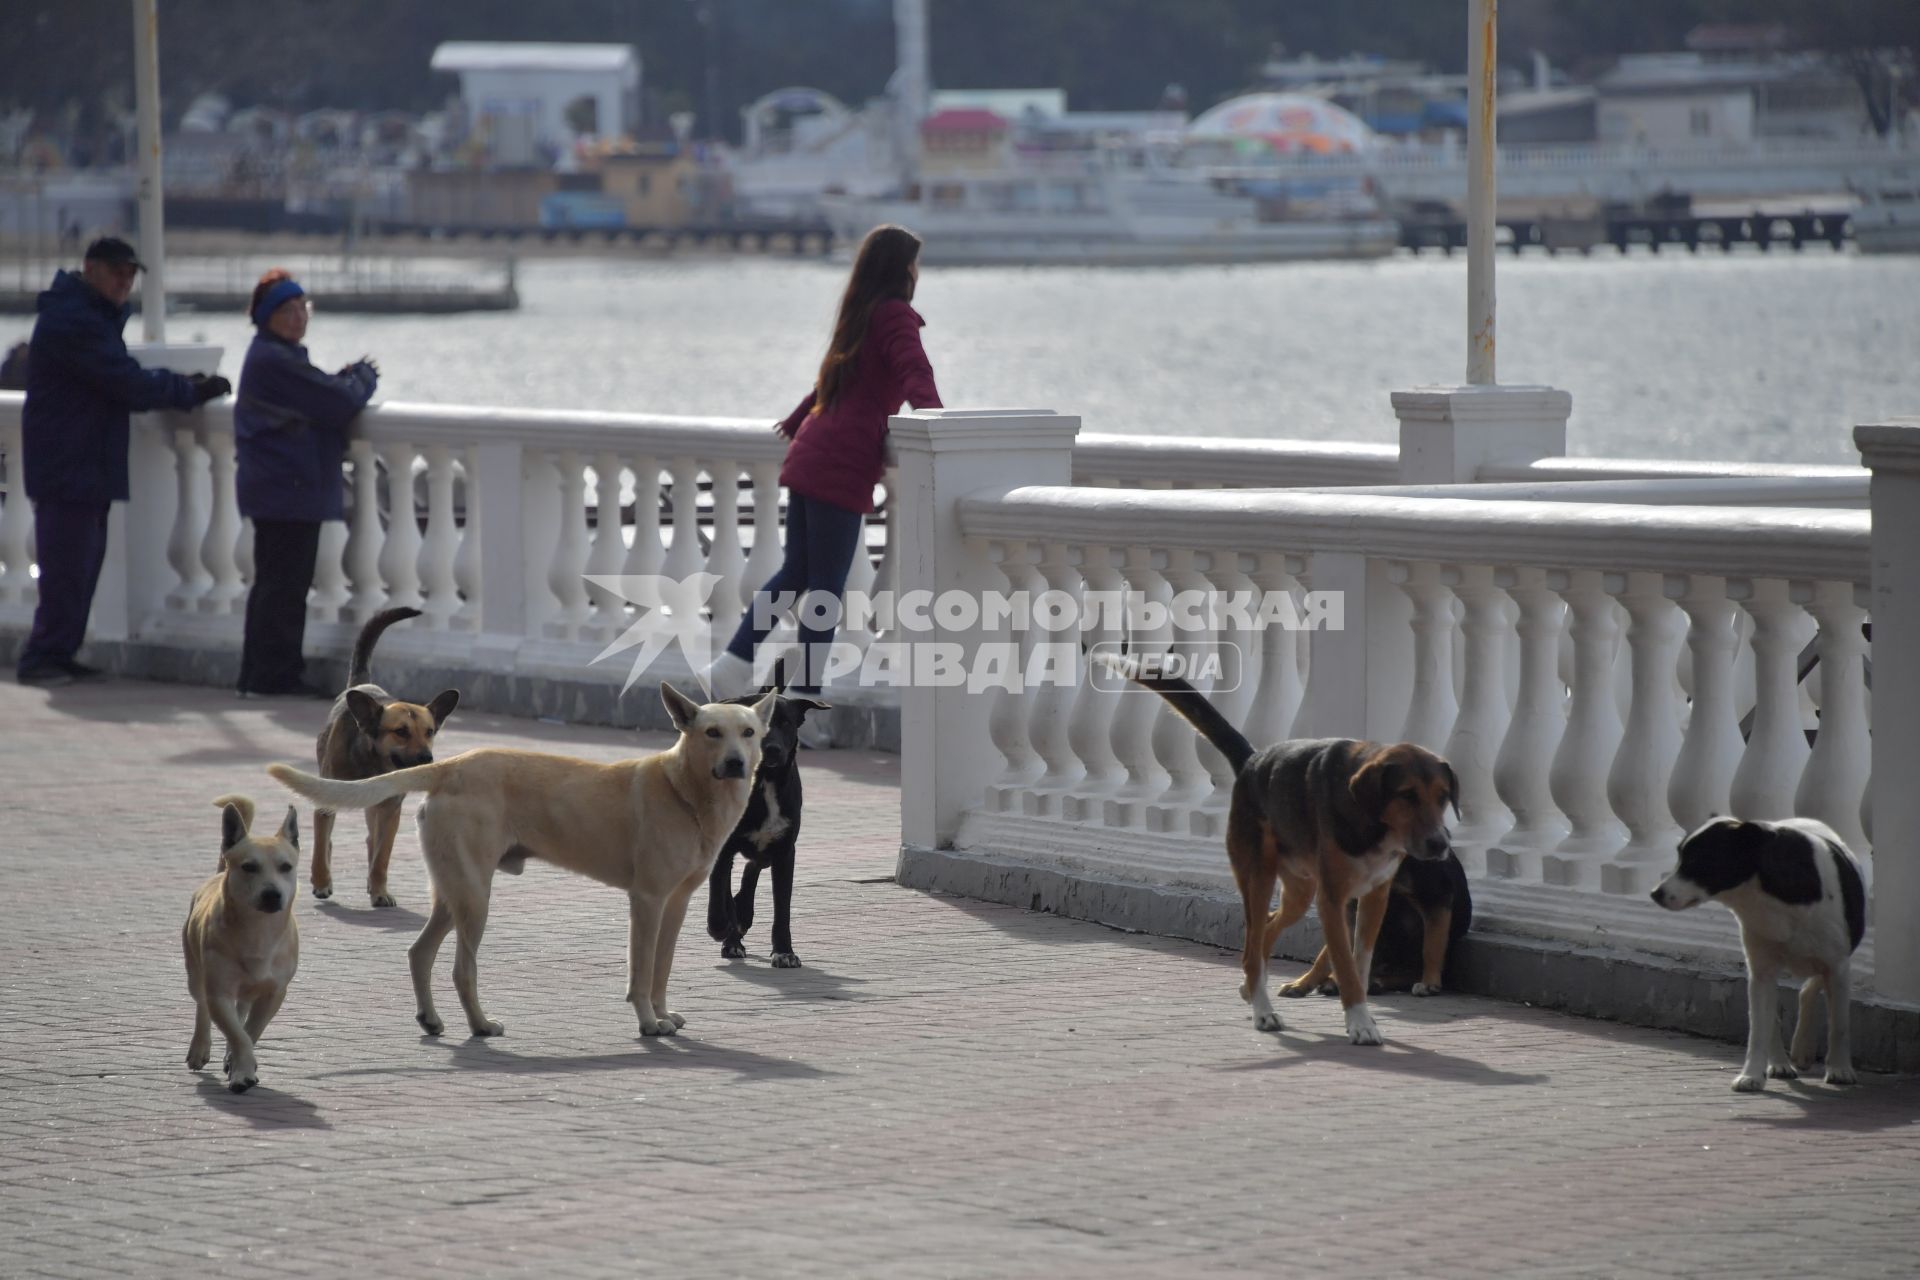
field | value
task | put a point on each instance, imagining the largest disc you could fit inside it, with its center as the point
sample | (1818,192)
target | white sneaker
(815,735)
(729,676)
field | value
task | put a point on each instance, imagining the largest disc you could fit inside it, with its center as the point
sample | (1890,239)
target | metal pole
(1481,193)
(146,86)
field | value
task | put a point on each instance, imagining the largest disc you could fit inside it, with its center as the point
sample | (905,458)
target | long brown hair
(883,269)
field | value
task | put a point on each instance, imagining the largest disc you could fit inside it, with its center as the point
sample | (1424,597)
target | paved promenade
(946,1089)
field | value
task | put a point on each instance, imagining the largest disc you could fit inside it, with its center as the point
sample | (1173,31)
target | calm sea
(1746,356)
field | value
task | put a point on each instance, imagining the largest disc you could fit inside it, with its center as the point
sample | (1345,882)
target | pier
(373,284)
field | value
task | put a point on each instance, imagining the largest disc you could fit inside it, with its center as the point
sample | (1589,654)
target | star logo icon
(668,612)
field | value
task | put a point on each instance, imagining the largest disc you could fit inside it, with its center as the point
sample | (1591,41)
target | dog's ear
(763,709)
(290,829)
(805,704)
(680,708)
(233,827)
(1786,867)
(365,710)
(1373,782)
(779,684)
(1453,787)
(442,706)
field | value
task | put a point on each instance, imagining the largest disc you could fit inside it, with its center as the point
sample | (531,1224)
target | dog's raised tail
(334,794)
(243,804)
(360,668)
(1192,706)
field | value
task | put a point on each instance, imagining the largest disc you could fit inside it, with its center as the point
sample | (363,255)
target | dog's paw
(1744,1083)
(384,900)
(1268,1021)
(1361,1028)
(1426,988)
(1804,1051)
(785,960)
(430,1023)
(242,1077)
(664,1027)
(197,1055)
(1782,1071)
(1841,1075)
(734,950)
(323,891)
(1294,990)
(488,1028)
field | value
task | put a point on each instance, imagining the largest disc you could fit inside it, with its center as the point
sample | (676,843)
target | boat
(1888,220)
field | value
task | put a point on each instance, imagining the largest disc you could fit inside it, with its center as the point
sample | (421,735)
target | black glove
(209,388)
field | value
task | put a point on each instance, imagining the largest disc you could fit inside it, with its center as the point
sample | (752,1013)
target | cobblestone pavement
(946,1089)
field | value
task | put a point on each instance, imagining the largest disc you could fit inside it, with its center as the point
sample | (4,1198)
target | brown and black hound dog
(1329,820)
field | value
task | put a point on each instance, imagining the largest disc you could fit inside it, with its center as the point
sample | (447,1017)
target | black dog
(1429,909)
(765,837)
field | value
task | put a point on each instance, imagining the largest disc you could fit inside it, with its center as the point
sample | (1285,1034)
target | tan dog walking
(650,827)
(241,942)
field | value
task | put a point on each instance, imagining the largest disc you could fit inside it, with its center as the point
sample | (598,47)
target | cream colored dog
(651,827)
(241,941)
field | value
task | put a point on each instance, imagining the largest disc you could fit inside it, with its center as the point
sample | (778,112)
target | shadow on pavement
(262,1107)
(369,917)
(1395,1056)
(1870,1107)
(805,983)
(486,1053)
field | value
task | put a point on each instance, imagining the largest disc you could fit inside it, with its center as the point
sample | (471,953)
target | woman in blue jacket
(290,432)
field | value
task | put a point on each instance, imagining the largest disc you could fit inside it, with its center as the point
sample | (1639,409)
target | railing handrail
(1596,468)
(1734,542)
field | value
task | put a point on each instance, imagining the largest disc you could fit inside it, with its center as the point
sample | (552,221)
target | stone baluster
(1139,712)
(1007,723)
(609,552)
(1834,783)
(1051,659)
(542,527)
(1579,775)
(16,528)
(222,528)
(467,574)
(1175,744)
(1643,766)
(1703,773)
(400,553)
(364,538)
(190,514)
(1522,771)
(566,572)
(685,556)
(764,560)
(1480,727)
(1776,754)
(1273,665)
(1236,649)
(1090,736)
(243,556)
(724,557)
(887,574)
(1433,708)
(435,565)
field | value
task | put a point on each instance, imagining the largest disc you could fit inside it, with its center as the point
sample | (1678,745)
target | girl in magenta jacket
(838,454)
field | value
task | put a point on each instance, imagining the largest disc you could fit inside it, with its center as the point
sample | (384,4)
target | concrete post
(495,494)
(946,753)
(1892,452)
(1447,434)
(146,93)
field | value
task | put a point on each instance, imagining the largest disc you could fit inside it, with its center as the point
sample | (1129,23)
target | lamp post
(146,92)
(1482,47)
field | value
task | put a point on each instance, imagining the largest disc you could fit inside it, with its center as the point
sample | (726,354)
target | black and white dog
(766,835)
(1802,906)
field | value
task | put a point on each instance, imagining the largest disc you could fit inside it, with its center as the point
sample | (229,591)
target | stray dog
(1330,819)
(1802,906)
(241,942)
(370,732)
(766,836)
(651,827)
(1430,908)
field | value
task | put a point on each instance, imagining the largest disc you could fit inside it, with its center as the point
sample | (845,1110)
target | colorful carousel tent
(1286,124)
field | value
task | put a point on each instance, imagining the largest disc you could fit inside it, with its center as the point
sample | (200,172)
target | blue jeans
(822,540)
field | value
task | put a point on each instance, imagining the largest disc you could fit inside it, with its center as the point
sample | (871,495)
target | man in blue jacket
(82,385)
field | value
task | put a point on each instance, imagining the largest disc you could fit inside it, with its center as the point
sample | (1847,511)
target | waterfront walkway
(946,1089)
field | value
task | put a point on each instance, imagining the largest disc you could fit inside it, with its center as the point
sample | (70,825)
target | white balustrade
(1522,770)
(364,537)
(609,553)
(1090,735)
(16,525)
(329,596)
(1431,714)
(566,572)
(190,516)
(1702,783)
(724,558)
(399,558)
(1834,784)
(1175,745)
(441,599)
(1054,587)
(1007,722)
(467,577)
(1134,723)
(1483,718)
(222,529)
(1769,771)
(1642,768)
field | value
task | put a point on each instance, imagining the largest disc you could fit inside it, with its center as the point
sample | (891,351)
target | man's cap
(112,249)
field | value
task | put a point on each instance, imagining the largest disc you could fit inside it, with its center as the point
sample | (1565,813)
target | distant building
(1734,95)
(528,103)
